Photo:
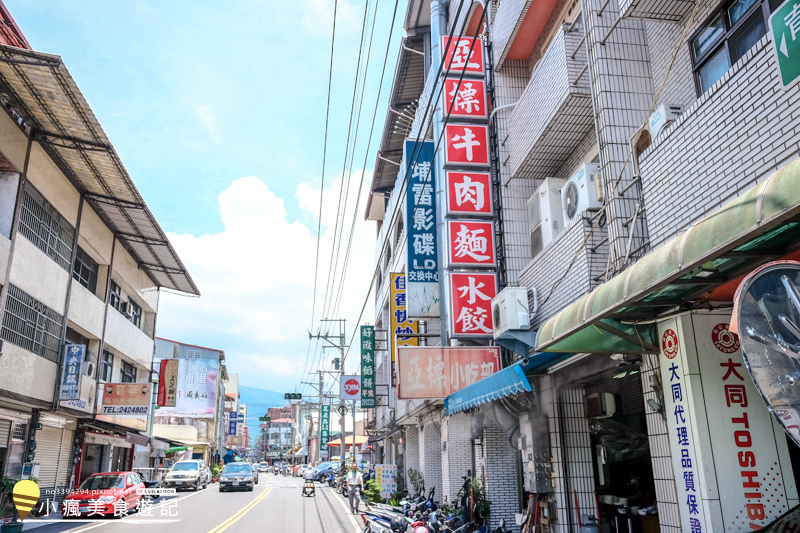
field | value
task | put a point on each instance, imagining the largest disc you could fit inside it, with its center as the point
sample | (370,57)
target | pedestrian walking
(355,482)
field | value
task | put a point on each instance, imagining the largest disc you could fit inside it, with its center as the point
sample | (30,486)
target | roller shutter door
(64,462)
(5,432)
(48,450)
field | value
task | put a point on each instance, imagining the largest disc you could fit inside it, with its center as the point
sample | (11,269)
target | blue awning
(506,382)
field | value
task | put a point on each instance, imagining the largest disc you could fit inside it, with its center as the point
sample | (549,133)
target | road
(276,504)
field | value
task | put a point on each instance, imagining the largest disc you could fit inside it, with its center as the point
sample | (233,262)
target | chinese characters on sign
(784,25)
(463,54)
(325,426)
(400,321)
(168,382)
(681,438)
(233,419)
(196,389)
(367,367)
(471,303)
(470,243)
(466,145)
(740,428)
(422,251)
(469,193)
(71,373)
(466,99)
(386,478)
(429,373)
(126,399)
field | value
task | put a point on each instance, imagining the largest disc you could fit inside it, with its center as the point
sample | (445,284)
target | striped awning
(508,381)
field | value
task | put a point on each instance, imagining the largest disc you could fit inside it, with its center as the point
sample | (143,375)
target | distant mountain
(257,402)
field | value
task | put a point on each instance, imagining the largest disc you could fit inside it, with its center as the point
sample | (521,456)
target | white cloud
(257,278)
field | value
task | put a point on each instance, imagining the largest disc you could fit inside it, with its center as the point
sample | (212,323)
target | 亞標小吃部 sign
(437,372)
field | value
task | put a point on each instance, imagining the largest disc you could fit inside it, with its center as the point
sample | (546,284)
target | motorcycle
(308,488)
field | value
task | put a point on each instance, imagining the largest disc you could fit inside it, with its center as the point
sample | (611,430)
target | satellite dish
(767,318)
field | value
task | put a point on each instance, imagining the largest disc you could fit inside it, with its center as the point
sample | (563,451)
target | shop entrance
(625,496)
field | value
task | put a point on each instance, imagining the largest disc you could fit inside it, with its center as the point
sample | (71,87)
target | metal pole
(353,455)
(341,402)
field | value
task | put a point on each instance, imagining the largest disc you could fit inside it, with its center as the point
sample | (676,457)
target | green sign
(367,367)
(325,425)
(784,24)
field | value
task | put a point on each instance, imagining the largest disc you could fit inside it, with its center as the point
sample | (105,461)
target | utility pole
(341,346)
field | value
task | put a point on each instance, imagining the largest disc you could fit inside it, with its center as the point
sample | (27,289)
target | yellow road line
(243,511)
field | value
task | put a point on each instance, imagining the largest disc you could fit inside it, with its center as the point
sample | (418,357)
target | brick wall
(501,476)
(738,133)
(456,454)
(411,451)
(622,89)
(551,265)
(431,456)
(668,512)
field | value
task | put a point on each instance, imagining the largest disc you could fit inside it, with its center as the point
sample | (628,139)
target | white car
(191,474)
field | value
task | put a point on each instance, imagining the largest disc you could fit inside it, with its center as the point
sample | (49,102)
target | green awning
(177,449)
(760,225)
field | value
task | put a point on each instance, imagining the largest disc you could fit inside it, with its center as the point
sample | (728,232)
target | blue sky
(217,110)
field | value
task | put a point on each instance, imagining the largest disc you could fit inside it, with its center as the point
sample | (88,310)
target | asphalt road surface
(276,504)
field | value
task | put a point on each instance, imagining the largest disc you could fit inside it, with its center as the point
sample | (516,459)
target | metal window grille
(194,354)
(31,325)
(43,225)
(18,433)
(128,373)
(85,271)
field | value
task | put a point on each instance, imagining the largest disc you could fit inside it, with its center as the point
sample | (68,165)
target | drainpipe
(439,29)
(63,338)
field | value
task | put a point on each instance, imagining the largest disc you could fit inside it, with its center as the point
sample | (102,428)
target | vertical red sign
(466,145)
(470,243)
(471,296)
(469,193)
(463,54)
(465,98)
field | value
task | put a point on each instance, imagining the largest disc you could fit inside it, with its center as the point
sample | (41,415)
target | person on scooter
(355,482)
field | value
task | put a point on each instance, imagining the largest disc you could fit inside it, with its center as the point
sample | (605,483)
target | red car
(106,494)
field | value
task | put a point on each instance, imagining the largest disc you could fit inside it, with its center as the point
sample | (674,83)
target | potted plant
(214,473)
(7,509)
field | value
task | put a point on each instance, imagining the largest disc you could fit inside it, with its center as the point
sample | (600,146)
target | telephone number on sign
(125,410)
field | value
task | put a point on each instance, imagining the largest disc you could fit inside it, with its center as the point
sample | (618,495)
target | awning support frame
(630,338)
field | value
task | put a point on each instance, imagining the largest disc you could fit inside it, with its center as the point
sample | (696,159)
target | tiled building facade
(577,82)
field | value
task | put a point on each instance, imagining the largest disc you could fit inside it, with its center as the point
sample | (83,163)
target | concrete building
(82,262)
(643,162)
(197,419)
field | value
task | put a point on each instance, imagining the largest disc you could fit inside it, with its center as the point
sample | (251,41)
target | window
(40,223)
(136,314)
(128,373)
(106,366)
(31,325)
(85,271)
(194,354)
(116,296)
(729,33)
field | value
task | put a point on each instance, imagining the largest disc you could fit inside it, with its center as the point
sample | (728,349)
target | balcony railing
(554,113)
(131,341)
(665,10)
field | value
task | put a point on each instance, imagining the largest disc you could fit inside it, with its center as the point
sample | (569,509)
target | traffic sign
(292,396)
(784,25)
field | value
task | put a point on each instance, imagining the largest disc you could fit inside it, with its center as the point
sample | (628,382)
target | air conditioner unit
(510,311)
(662,117)
(584,190)
(600,405)
(87,369)
(125,308)
(545,219)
